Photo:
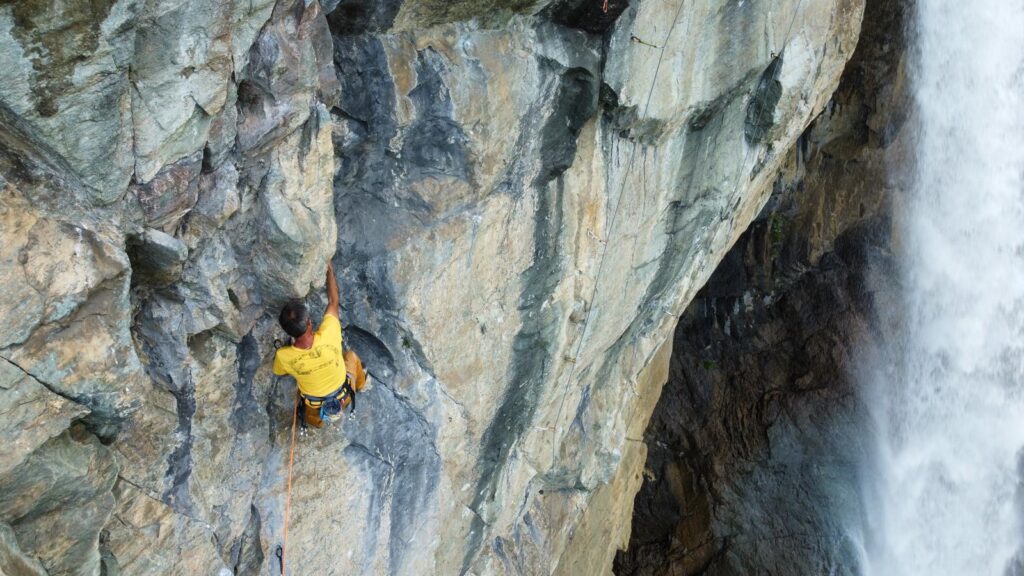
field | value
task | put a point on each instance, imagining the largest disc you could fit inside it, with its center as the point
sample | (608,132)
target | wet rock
(594,17)
(351,17)
(761,108)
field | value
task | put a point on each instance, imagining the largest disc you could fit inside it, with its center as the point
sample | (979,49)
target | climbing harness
(300,407)
(332,404)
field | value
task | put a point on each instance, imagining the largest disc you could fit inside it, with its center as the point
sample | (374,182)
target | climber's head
(294,319)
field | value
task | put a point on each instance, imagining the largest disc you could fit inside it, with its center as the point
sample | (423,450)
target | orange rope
(288,498)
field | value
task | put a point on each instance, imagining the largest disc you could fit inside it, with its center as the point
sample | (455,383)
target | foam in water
(952,423)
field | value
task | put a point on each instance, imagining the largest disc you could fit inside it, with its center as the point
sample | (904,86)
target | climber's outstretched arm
(332,292)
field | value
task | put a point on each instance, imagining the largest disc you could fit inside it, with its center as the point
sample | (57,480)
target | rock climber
(326,376)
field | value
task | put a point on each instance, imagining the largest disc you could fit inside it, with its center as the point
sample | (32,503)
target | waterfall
(947,496)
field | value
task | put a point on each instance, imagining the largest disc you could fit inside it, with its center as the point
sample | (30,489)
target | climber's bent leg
(355,367)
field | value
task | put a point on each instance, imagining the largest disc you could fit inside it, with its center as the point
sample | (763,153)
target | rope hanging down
(283,550)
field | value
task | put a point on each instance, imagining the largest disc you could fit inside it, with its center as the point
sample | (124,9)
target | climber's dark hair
(294,318)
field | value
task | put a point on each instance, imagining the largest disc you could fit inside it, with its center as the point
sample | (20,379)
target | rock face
(755,448)
(519,198)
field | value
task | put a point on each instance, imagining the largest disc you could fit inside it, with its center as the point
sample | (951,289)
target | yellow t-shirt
(320,369)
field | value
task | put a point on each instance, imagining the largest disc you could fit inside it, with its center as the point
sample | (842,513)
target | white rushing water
(949,498)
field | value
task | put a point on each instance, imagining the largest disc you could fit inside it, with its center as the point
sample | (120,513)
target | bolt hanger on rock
(635,39)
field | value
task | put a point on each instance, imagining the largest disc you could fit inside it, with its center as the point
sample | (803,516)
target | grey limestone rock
(58,499)
(157,257)
(169,194)
(519,198)
(66,77)
(32,415)
(13,560)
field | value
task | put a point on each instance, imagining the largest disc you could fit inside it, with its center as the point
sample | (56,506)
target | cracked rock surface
(519,196)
